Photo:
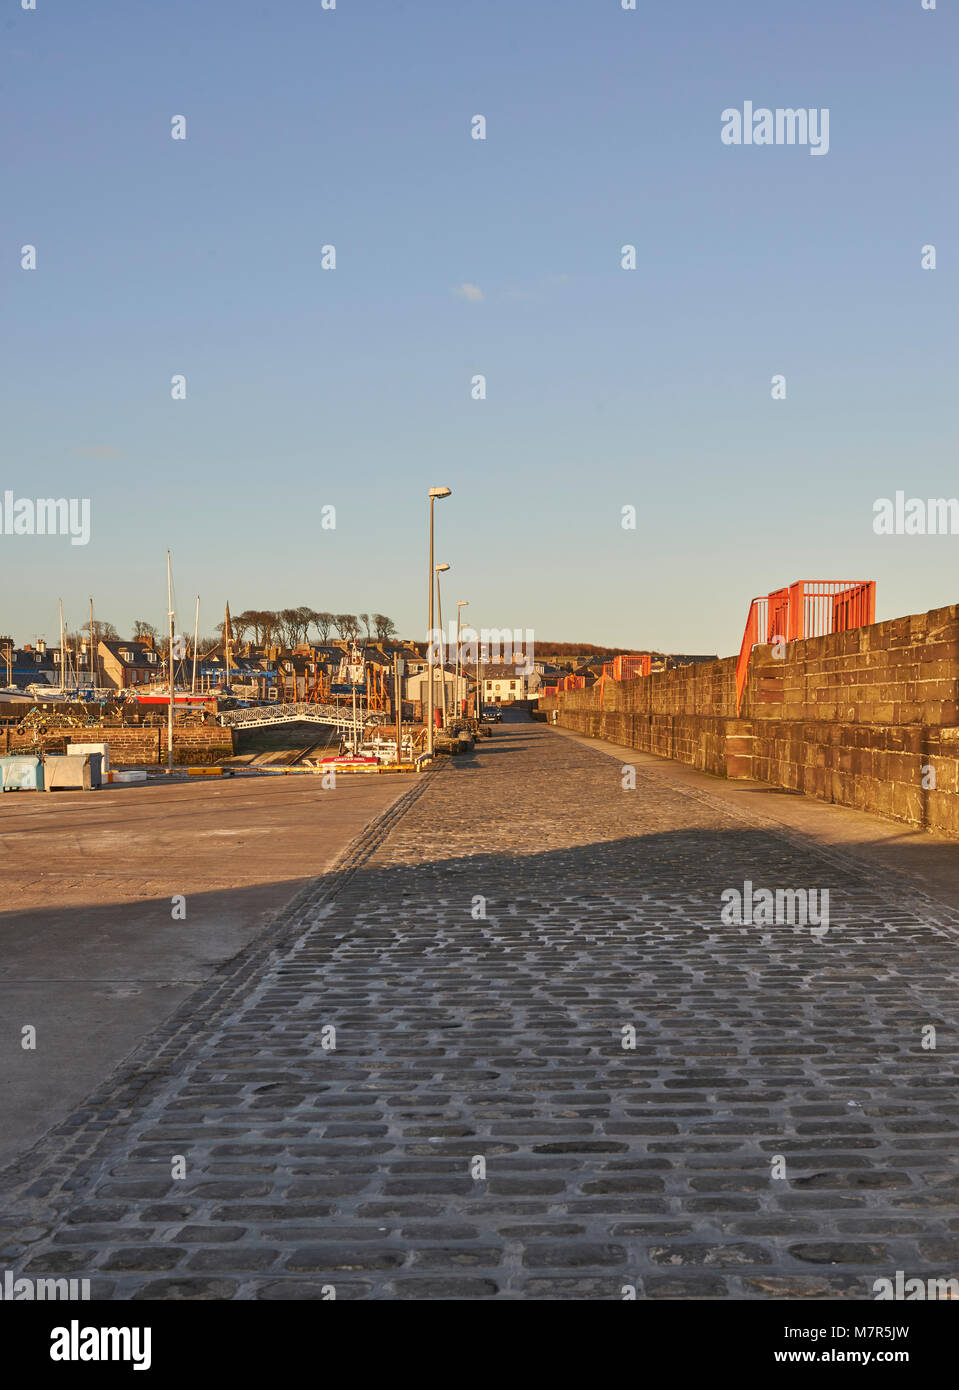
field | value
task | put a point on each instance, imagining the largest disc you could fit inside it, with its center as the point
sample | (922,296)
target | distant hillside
(564,650)
(567,653)
(548,651)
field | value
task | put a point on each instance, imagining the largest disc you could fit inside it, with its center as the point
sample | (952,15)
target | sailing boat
(64,691)
(159,693)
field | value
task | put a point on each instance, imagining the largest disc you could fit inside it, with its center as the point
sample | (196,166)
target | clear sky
(352,387)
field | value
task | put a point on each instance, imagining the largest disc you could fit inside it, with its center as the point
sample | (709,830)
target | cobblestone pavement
(480,1130)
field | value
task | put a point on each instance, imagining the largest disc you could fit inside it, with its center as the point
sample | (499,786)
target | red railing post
(745,651)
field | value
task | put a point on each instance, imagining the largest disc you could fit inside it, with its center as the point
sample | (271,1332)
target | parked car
(492,714)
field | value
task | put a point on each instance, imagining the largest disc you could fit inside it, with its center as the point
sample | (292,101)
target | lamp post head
(463,603)
(440,568)
(439,492)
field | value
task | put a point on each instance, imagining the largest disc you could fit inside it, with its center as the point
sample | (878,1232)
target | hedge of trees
(291,626)
(283,627)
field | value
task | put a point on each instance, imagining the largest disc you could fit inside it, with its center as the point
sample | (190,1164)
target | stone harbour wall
(868,718)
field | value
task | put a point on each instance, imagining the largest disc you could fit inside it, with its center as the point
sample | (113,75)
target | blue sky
(351,387)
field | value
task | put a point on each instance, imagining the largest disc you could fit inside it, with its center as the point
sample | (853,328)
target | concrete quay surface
(90,952)
(596,1084)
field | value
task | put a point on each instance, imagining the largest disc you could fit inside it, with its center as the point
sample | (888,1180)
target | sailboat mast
(227,640)
(62,681)
(93,678)
(196,634)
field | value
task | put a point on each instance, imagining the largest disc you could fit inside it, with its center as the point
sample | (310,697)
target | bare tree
(270,626)
(306,616)
(242,623)
(384,627)
(246,622)
(290,625)
(295,624)
(323,622)
(347,626)
(102,632)
(142,630)
(365,620)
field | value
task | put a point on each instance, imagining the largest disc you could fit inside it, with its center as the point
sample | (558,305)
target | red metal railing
(628,666)
(758,610)
(808,608)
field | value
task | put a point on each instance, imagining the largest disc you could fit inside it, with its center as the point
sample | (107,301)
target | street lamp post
(439,604)
(463,603)
(434,493)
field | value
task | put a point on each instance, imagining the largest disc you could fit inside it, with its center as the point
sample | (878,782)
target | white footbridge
(299,712)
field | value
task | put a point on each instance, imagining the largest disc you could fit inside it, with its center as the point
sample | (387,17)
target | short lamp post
(433,494)
(439,605)
(463,603)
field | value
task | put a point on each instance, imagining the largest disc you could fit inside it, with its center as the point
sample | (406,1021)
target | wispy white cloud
(467,291)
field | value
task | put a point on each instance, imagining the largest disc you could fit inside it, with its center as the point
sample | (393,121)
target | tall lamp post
(463,603)
(434,493)
(169,727)
(439,604)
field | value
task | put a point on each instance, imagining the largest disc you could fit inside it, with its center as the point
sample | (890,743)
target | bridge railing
(307,712)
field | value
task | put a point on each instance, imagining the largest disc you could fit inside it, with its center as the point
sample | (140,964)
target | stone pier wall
(131,747)
(868,718)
